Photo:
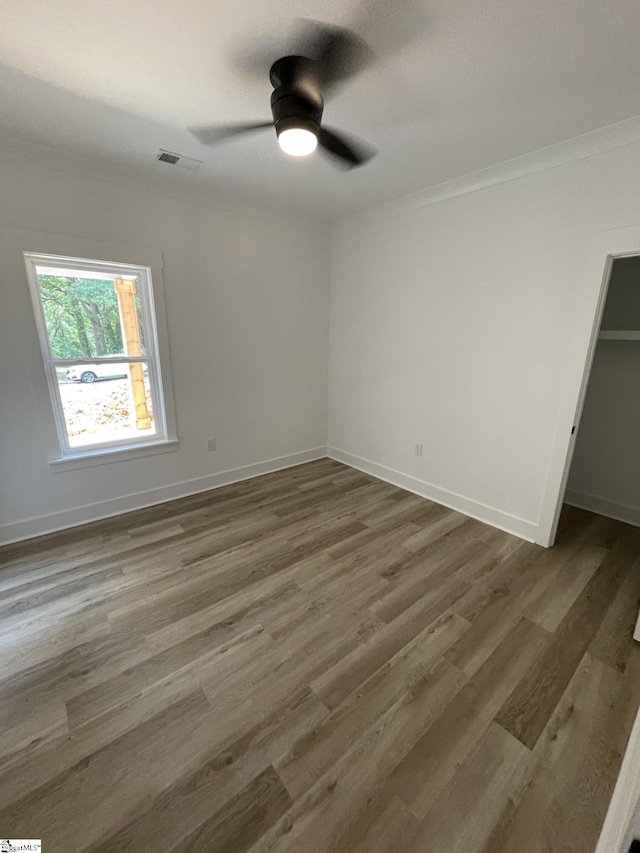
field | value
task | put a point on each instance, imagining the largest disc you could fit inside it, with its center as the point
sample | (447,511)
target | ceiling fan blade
(338,52)
(212,134)
(349,152)
(390,25)
(255,56)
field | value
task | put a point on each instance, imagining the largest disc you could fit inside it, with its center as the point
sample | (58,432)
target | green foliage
(82,316)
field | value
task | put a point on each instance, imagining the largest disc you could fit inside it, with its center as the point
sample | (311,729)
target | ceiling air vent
(179,160)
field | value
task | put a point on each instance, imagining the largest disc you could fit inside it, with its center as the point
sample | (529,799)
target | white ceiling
(460,84)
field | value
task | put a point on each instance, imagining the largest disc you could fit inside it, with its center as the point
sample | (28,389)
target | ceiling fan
(326,57)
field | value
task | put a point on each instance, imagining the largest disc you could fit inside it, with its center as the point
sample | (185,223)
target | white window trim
(74,251)
(106,456)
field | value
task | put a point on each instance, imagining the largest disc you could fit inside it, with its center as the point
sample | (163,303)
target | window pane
(85,317)
(106,402)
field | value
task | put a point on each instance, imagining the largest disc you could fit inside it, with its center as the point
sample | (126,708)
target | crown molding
(30,154)
(596,142)
(620,135)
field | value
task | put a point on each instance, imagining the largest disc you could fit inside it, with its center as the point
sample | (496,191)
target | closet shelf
(615,335)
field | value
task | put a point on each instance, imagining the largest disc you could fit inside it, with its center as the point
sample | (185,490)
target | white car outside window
(91,372)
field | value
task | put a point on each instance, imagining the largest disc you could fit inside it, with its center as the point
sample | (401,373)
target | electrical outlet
(418,449)
(211,444)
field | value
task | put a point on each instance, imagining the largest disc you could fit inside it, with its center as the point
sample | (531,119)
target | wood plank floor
(315,661)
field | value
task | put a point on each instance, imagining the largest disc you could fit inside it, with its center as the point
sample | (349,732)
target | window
(97,330)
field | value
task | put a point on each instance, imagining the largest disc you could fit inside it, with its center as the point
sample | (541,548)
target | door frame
(605,248)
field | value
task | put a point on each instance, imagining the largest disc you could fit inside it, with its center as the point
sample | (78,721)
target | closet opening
(603,337)
(604,475)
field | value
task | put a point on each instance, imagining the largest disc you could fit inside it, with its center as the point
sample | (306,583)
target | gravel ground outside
(101,411)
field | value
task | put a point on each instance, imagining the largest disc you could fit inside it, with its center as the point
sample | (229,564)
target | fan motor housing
(296,100)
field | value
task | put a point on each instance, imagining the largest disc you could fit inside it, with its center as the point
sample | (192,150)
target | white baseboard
(63,519)
(621,512)
(482,512)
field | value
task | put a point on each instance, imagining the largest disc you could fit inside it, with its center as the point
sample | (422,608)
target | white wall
(453,322)
(454,317)
(605,471)
(247,307)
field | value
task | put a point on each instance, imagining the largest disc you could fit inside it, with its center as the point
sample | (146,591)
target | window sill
(105,456)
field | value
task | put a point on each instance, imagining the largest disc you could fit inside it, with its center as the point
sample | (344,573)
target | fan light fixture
(297,141)
(297,100)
